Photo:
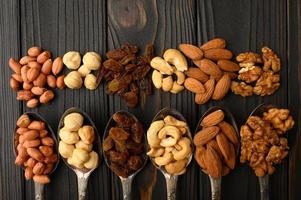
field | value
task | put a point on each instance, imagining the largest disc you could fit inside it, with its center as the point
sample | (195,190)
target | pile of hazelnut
(35,75)
(81,74)
(258,74)
(262,140)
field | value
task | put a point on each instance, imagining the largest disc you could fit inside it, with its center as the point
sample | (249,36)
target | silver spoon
(171,180)
(125,182)
(82,174)
(216,182)
(39,188)
(263,181)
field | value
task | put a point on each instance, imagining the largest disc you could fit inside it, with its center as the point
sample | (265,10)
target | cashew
(155,152)
(169,130)
(164,160)
(180,77)
(161,65)
(152,132)
(167,83)
(181,172)
(176,58)
(185,151)
(170,120)
(168,142)
(169,149)
(157,79)
(183,130)
(176,167)
(176,88)
(178,147)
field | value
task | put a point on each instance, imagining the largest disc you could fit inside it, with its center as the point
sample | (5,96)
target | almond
(215,146)
(229,132)
(34,51)
(225,170)
(47,66)
(32,74)
(14,65)
(205,135)
(199,156)
(194,85)
(57,65)
(204,97)
(208,67)
(216,43)
(222,87)
(191,51)
(232,75)
(228,65)
(197,74)
(230,162)
(43,57)
(213,118)
(223,145)
(213,163)
(218,54)
(26,59)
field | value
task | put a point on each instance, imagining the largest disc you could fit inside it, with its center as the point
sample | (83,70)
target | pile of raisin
(126,73)
(124,146)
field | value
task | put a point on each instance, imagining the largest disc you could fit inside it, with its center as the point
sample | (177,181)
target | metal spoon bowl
(216,182)
(171,180)
(126,182)
(82,174)
(39,188)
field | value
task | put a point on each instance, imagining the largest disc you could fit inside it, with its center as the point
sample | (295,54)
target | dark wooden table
(99,25)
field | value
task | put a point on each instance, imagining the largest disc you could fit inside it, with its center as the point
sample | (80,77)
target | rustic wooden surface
(98,25)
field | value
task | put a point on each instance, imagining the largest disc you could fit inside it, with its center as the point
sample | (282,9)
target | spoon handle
(264,187)
(126,187)
(39,191)
(82,184)
(171,185)
(215,188)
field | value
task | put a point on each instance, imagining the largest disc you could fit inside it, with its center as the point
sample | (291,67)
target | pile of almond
(35,149)
(211,79)
(35,75)
(216,145)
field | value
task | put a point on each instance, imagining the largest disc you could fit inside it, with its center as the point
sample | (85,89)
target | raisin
(118,157)
(116,54)
(119,170)
(134,88)
(118,133)
(130,67)
(129,48)
(107,143)
(135,162)
(140,72)
(123,120)
(125,60)
(131,99)
(134,147)
(120,145)
(100,75)
(113,65)
(137,132)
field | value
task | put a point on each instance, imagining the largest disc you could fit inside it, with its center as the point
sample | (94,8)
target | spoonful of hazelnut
(79,146)
(124,148)
(35,147)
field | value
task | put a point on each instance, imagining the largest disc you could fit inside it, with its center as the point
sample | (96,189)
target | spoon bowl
(39,188)
(82,174)
(126,182)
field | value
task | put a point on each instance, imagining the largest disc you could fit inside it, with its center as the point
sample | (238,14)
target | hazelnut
(86,134)
(93,161)
(84,70)
(72,60)
(92,60)
(81,145)
(65,149)
(73,80)
(68,137)
(90,82)
(73,121)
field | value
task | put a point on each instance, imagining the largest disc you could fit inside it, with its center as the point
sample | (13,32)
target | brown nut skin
(14,65)
(57,65)
(24,70)
(27,86)
(20,160)
(43,133)
(60,82)
(21,130)
(38,90)
(49,167)
(24,95)
(31,162)
(51,81)
(17,77)
(26,59)
(37,125)
(34,51)
(51,159)
(23,121)
(28,135)
(41,80)
(42,179)
(14,84)
(47,96)
(32,74)
(46,67)
(32,143)
(46,150)
(48,141)
(35,154)
(34,64)
(38,168)
(32,103)
(28,173)
(43,57)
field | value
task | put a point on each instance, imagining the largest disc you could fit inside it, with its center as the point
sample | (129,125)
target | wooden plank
(11,184)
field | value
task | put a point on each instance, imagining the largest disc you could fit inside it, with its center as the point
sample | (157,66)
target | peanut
(38,168)
(47,96)
(14,84)
(57,66)
(43,57)
(28,173)
(37,125)
(34,51)
(35,153)
(46,67)
(31,143)
(42,179)
(14,65)
(32,103)
(26,59)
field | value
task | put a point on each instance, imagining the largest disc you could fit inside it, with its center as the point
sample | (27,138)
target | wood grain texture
(97,25)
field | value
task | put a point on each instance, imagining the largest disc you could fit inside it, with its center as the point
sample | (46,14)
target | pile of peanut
(262,140)
(170,145)
(258,74)
(35,149)
(216,145)
(35,75)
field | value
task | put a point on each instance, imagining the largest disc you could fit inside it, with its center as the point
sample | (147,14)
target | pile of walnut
(211,79)
(35,149)
(76,142)
(172,64)
(81,74)
(127,73)
(258,74)
(216,145)
(124,145)
(170,145)
(262,140)
(35,75)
